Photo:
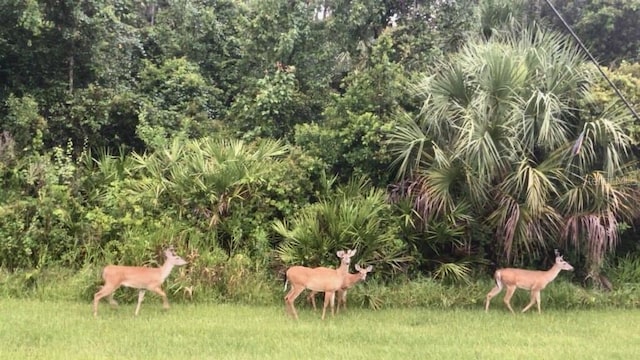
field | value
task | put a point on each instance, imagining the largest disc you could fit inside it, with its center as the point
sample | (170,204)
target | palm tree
(204,176)
(495,137)
(354,216)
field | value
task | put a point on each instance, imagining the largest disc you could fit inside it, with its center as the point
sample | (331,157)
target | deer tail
(497,276)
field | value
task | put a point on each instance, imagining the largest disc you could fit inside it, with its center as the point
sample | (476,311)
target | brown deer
(350,281)
(320,279)
(532,280)
(142,278)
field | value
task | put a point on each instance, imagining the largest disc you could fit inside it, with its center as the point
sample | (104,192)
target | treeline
(443,138)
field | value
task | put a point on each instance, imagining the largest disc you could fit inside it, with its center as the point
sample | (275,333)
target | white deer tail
(498,278)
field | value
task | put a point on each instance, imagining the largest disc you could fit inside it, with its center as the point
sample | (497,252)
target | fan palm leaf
(508,134)
(204,175)
(353,216)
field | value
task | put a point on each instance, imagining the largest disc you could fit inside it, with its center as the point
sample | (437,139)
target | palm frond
(597,231)
(410,145)
(479,148)
(439,185)
(454,271)
(354,216)
(545,113)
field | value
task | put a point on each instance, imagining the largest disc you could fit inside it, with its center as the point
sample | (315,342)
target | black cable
(576,147)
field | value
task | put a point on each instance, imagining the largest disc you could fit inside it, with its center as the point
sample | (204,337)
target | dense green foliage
(435,137)
(609,28)
(494,138)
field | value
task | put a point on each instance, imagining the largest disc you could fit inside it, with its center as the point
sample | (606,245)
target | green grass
(34,329)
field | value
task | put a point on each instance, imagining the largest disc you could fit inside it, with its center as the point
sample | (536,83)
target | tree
(352,140)
(494,139)
(425,30)
(175,99)
(626,77)
(271,107)
(609,28)
(77,61)
(208,34)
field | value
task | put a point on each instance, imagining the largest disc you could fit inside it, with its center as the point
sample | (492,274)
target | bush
(213,277)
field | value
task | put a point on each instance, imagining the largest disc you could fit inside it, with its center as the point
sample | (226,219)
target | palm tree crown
(494,136)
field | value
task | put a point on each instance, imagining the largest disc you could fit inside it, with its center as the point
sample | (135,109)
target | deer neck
(351,279)
(343,269)
(165,270)
(553,272)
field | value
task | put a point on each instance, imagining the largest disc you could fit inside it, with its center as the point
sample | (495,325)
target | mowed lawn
(32,329)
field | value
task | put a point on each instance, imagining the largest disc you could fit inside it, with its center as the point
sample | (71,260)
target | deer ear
(369,268)
(352,252)
(340,253)
(358,268)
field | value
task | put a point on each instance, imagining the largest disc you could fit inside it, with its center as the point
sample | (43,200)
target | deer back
(320,279)
(132,276)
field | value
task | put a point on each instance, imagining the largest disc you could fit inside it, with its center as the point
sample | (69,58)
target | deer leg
(286,299)
(507,297)
(104,291)
(291,298)
(538,300)
(140,298)
(312,298)
(495,291)
(165,301)
(112,301)
(333,304)
(533,300)
(343,299)
(329,298)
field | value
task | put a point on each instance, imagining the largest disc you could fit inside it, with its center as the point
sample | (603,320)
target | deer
(533,280)
(137,277)
(349,282)
(320,279)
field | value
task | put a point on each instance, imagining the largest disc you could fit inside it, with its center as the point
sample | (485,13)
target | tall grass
(35,329)
(624,270)
(237,282)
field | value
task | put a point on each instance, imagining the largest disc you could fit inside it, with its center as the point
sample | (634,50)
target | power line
(577,146)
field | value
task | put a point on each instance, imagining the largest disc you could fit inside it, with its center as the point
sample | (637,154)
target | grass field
(32,329)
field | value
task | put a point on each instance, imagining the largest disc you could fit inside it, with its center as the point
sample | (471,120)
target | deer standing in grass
(349,281)
(320,279)
(142,278)
(532,280)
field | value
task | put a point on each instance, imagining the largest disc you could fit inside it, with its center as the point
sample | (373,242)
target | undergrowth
(242,282)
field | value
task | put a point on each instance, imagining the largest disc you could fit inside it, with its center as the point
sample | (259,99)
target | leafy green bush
(356,216)
(243,281)
(39,223)
(176,99)
(624,270)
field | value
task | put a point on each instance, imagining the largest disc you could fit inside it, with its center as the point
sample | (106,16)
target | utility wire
(578,145)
